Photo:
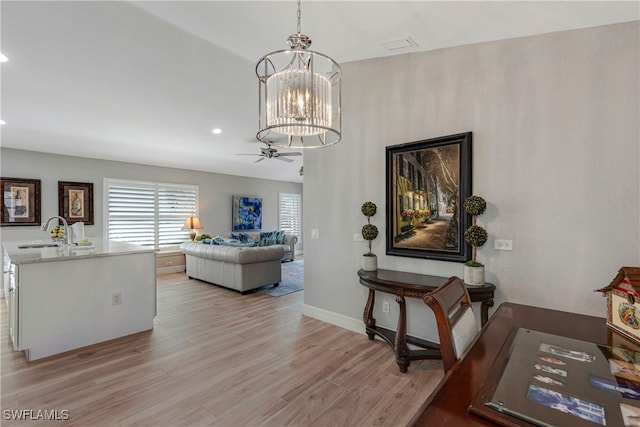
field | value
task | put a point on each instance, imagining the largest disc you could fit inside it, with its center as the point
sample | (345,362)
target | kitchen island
(64,297)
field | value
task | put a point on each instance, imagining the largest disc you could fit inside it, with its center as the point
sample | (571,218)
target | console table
(412,285)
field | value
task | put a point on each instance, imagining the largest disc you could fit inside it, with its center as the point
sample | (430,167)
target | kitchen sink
(38,245)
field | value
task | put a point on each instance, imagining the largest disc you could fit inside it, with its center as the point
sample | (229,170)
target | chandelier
(299,96)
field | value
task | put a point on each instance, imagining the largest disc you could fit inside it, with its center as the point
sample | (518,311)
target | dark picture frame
(427,183)
(75,201)
(20,201)
(247,213)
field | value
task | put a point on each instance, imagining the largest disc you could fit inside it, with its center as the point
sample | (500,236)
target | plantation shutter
(148,214)
(131,214)
(290,214)
(174,205)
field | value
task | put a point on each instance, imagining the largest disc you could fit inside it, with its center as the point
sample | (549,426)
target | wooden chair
(457,325)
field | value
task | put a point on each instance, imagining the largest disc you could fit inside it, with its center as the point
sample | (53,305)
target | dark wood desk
(402,284)
(449,403)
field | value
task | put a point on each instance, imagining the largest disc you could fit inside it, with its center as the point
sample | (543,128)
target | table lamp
(192,223)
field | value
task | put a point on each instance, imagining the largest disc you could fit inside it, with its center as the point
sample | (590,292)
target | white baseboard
(346,322)
(172,269)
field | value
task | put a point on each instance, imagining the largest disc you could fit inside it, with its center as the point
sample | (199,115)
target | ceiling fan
(269,152)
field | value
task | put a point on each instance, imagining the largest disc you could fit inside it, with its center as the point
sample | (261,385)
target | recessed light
(2,122)
(217,131)
(3,58)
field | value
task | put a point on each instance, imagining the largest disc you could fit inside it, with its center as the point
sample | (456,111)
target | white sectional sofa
(239,268)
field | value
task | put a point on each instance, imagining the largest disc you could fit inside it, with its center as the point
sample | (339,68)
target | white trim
(354,325)
(346,322)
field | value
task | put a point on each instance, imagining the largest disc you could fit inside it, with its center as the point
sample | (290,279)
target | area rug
(292,280)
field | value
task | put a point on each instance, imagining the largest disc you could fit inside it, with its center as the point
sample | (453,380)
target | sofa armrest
(291,240)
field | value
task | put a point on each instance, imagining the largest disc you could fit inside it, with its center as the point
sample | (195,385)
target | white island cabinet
(63,298)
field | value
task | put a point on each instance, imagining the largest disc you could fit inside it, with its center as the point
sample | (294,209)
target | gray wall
(216,190)
(555,154)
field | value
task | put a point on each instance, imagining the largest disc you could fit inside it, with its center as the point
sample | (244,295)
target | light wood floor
(219,358)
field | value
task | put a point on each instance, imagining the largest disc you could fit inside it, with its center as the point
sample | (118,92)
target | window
(290,215)
(147,213)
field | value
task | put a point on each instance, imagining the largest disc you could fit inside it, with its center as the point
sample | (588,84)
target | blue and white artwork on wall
(247,213)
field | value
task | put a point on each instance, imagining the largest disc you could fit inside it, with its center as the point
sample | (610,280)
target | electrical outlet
(385,306)
(116,299)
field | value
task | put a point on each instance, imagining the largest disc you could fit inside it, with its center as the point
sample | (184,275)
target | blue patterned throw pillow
(242,237)
(280,237)
(268,238)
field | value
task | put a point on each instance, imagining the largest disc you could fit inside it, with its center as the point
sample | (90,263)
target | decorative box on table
(623,303)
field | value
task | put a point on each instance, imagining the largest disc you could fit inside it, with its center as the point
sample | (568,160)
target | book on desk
(551,380)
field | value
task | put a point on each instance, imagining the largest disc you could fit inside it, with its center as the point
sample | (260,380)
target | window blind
(148,214)
(290,214)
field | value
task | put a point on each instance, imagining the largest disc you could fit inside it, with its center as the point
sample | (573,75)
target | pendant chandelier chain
(299,16)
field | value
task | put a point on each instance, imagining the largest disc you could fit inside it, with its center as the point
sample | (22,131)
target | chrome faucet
(67,230)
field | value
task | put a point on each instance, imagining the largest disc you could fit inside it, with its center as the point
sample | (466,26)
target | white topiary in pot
(476,236)
(369,232)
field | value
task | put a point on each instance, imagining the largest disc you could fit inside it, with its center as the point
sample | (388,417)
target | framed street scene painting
(427,182)
(20,201)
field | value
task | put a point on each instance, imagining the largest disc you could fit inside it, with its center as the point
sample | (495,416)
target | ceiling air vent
(405,43)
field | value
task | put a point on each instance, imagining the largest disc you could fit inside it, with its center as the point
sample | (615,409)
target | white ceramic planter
(369,263)
(474,276)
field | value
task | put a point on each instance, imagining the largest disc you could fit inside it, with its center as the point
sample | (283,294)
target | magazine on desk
(549,380)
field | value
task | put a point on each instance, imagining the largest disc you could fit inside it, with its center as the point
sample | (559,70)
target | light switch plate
(315,233)
(503,245)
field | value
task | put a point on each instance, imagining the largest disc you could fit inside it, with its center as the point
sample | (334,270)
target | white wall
(555,153)
(216,190)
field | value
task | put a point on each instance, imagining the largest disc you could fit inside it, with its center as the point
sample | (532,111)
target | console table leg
(484,311)
(367,316)
(402,351)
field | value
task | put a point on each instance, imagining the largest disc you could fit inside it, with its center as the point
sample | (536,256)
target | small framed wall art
(75,201)
(20,201)
(247,213)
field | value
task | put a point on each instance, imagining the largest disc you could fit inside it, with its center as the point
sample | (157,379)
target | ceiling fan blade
(284,160)
(290,154)
(259,160)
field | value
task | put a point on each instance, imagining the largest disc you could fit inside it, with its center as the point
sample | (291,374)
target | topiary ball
(369,232)
(476,236)
(475,205)
(369,209)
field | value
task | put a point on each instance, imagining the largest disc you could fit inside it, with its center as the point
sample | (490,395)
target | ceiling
(145,82)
